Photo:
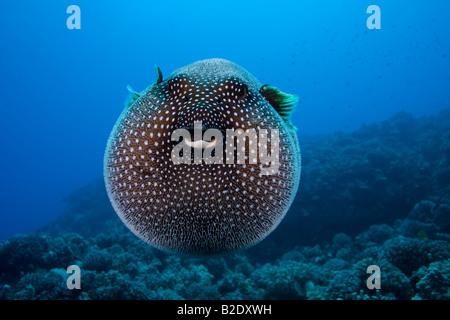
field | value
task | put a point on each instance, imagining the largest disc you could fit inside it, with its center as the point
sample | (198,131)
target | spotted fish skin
(198,209)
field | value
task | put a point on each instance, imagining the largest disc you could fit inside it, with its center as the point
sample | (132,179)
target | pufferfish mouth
(199,131)
(201,144)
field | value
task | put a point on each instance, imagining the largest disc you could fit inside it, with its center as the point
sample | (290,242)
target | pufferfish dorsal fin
(160,76)
(133,95)
(283,103)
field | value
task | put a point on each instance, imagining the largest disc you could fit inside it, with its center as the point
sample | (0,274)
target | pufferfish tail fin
(283,103)
(133,95)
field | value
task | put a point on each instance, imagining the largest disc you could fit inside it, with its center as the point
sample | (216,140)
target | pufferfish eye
(178,87)
(243,91)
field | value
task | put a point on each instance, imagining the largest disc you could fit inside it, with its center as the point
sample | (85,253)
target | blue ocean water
(62,90)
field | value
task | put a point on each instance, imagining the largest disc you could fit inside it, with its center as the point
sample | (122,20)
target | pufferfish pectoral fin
(133,95)
(283,103)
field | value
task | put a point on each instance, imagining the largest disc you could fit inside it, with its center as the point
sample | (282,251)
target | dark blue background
(62,90)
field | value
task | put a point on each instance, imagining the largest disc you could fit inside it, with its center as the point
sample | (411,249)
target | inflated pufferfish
(182,204)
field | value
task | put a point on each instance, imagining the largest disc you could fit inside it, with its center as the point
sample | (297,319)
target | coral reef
(376,196)
(434,281)
(371,176)
(412,268)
